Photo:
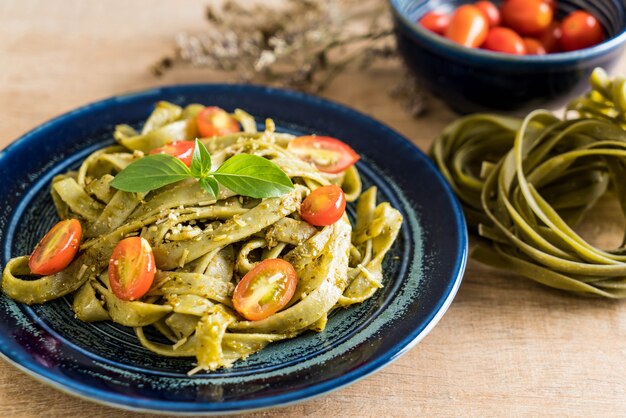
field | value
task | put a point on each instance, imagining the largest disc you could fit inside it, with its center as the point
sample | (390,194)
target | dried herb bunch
(301,44)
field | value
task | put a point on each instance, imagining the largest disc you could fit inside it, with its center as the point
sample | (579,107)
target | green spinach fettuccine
(205,239)
(526,184)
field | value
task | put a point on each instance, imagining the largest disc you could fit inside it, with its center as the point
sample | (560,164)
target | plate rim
(69,386)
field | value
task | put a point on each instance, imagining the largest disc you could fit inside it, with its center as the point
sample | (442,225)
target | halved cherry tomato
(581,30)
(527,17)
(183,150)
(265,289)
(435,22)
(551,38)
(215,121)
(468,26)
(504,40)
(57,248)
(324,206)
(534,47)
(490,11)
(131,268)
(329,155)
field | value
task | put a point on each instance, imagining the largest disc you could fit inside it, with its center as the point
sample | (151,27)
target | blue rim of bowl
(71,387)
(489,56)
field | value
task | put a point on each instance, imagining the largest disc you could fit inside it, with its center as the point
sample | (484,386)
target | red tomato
(265,289)
(57,248)
(435,22)
(504,40)
(215,121)
(581,30)
(534,47)
(324,206)
(329,155)
(490,11)
(131,268)
(183,150)
(527,17)
(468,26)
(551,38)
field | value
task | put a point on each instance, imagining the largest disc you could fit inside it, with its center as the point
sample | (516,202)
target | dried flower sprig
(301,44)
(408,92)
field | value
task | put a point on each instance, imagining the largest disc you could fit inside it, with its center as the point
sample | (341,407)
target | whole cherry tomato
(324,206)
(329,155)
(581,30)
(215,121)
(468,26)
(490,11)
(183,150)
(131,268)
(265,289)
(551,38)
(57,248)
(527,17)
(504,40)
(534,47)
(435,22)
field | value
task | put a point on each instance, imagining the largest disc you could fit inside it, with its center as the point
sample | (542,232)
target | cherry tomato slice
(581,30)
(215,121)
(131,268)
(527,17)
(324,206)
(265,289)
(329,155)
(551,38)
(183,150)
(468,26)
(504,40)
(57,248)
(435,22)
(490,11)
(534,47)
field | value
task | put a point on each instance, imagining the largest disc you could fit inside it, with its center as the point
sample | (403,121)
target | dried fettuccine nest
(526,184)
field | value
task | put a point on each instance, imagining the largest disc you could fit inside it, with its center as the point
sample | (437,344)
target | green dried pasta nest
(526,184)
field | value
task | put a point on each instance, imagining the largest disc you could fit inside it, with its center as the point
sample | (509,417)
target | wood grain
(506,346)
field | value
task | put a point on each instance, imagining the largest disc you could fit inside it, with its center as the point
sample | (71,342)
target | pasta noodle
(204,245)
(526,184)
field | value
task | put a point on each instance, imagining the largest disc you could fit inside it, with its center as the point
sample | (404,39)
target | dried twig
(300,44)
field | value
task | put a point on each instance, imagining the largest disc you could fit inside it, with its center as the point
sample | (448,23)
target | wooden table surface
(506,346)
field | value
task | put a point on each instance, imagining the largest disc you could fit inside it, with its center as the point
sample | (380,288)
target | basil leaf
(200,160)
(253,176)
(209,185)
(149,173)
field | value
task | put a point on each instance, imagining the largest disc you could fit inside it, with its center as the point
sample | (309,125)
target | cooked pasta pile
(203,245)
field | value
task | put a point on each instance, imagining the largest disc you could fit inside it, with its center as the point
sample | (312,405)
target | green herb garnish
(244,174)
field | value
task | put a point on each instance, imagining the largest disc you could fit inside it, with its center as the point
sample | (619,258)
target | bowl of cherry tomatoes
(510,55)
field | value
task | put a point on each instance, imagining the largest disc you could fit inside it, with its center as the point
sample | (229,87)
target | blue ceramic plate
(104,362)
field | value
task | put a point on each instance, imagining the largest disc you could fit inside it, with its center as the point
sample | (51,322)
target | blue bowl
(475,80)
(105,363)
